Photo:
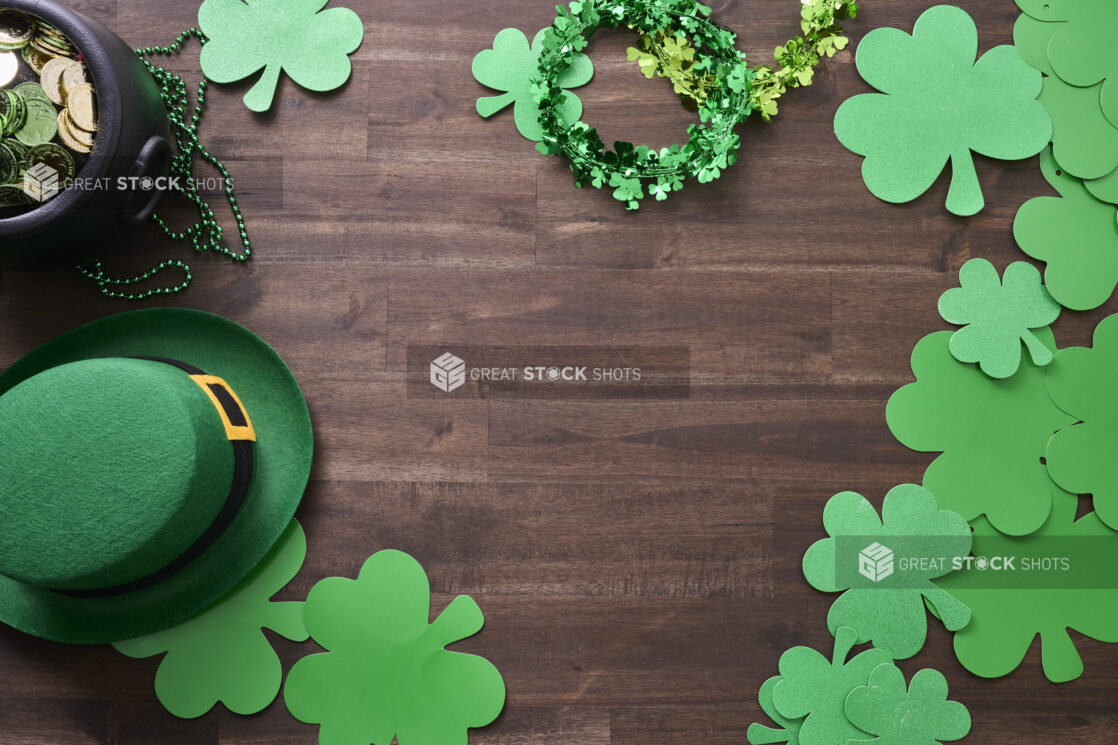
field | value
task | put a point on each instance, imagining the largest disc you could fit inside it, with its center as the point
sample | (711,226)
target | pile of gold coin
(48,110)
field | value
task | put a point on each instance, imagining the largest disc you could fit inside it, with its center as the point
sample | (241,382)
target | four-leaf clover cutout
(221,655)
(295,36)
(937,105)
(386,673)
(916,714)
(889,612)
(998,315)
(510,66)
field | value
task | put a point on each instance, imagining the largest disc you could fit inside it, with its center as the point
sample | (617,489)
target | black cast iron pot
(132,143)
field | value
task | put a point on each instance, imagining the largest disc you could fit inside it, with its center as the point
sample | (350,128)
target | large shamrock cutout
(1076,235)
(1010,608)
(998,316)
(937,104)
(221,655)
(917,714)
(889,612)
(814,689)
(1080,458)
(992,433)
(510,65)
(312,45)
(759,734)
(386,673)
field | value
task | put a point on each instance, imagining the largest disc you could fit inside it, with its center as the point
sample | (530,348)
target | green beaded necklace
(206,234)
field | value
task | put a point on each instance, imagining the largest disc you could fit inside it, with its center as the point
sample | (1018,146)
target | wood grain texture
(638,562)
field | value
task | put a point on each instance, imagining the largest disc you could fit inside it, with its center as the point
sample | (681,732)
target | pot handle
(153,162)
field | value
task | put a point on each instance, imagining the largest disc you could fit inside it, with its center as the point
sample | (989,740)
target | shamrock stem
(845,639)
(1058,656)
(952,612)
(1041,354)
(286,619)
(460,619)
(965,195)
(758,734)
(259,97)
(487,106)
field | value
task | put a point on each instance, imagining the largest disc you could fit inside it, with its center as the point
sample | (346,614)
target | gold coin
(9,67)
(67,133)
(15,28)
(52,79)
(82,136)
(39,44)
(72,77)
(36,59)
(82,104)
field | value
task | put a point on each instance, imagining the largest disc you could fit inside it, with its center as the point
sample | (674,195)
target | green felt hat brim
(282,464)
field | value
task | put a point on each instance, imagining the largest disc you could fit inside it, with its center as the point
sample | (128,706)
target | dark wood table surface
(638,562)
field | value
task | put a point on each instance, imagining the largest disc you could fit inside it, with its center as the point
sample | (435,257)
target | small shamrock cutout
(1076,235)
(814,689)
(386,673)
(244,36)
(759,734)
(221,655)
(1010,609)
(1083,383)
(890,612)
(936,104)
(998,315)
(510,66)
(992,433)
(917,714)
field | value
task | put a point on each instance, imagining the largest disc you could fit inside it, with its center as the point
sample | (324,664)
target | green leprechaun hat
(148,462)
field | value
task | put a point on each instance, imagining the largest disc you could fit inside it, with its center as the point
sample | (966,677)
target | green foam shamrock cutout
(916,714)
(937,104)
(992,434)
(1083,141)
(759,734)
(221,655)
(1031,38)
(1081,50)
(1076,235)
(890,613)
(1081,457)
(998,316)
(1083,118)
(1009,609)
(814,689)
(386,673)
(296,36)
(510,65)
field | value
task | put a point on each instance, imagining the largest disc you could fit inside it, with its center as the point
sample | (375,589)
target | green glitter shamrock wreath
(678,42)
(627,168)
